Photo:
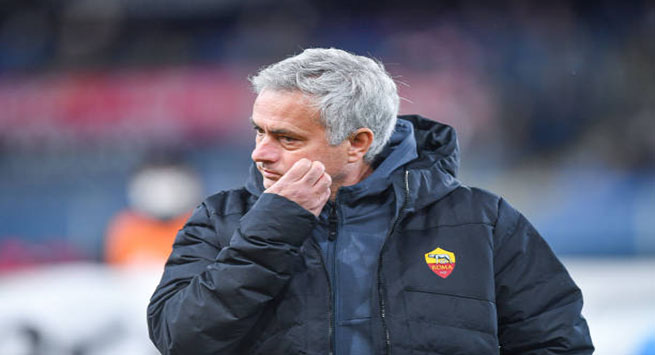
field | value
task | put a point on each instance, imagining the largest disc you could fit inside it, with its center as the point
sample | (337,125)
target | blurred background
(117,117)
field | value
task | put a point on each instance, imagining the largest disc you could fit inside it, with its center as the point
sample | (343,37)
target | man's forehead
(287,102)
(285,110)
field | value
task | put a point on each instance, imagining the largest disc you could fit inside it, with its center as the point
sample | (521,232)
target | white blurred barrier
(619,299)
(90,309)
(81,309)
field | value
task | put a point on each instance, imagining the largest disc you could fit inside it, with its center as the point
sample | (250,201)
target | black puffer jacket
(245,278)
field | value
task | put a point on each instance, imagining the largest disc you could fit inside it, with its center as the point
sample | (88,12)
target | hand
(306,184)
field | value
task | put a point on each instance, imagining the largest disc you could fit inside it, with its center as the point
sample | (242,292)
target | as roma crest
(441,262)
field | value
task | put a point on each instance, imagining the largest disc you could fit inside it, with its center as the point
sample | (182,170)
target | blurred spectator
(161,195)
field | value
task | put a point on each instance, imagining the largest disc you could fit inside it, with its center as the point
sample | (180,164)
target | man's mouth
(268,174)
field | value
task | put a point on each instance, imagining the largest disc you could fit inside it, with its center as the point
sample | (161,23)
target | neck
(357,174)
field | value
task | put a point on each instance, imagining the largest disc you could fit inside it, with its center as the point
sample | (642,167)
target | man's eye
(258,130)
(287,139)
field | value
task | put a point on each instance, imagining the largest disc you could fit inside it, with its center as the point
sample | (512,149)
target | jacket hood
(431,167)
(432,175)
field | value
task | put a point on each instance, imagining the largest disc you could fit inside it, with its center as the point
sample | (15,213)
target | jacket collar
(400,150)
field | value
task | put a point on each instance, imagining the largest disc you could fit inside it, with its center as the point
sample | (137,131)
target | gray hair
(350,92)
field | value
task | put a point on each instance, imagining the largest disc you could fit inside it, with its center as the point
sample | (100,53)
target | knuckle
(315,168)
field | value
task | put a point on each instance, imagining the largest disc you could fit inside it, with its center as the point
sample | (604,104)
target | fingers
(324,181)
(322,192)
(306,183)
(320,197)
(298,170)
(315,172)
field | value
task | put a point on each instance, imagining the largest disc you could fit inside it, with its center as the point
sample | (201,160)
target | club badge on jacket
(441,262)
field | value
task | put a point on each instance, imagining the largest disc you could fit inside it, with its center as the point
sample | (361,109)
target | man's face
(287,129)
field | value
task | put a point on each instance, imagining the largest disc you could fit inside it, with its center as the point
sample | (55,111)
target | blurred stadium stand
(554,103)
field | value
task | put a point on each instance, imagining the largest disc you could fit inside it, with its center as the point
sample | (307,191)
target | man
(353,236)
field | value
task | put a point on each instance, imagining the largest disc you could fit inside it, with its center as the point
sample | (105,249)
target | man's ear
(360,142)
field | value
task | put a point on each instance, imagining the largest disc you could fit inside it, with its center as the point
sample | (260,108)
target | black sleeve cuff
(278,219)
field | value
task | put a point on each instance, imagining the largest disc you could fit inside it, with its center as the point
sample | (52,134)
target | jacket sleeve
(210,297)
(539,306)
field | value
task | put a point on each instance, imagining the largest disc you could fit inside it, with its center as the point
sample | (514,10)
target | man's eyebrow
(280,131)
(284,132)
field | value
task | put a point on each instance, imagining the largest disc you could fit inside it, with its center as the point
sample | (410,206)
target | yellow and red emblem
(441,262)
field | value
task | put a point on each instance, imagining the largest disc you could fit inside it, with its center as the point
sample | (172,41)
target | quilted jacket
(460,272)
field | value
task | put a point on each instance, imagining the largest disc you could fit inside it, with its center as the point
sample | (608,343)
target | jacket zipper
(330,304)
(332,224)
(380,295)
(332,235)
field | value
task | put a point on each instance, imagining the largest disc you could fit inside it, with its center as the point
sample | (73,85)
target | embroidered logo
(441,262)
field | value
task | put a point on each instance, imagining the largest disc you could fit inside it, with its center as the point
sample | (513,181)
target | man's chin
(268,183)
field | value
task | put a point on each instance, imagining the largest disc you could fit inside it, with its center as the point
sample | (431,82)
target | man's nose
(265,151)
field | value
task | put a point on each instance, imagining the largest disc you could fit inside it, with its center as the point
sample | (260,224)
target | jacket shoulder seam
(512,227)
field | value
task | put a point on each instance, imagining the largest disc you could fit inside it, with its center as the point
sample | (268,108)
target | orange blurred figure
(161,196)
(134,238)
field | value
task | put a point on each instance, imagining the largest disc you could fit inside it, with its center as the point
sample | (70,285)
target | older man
(353,236)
